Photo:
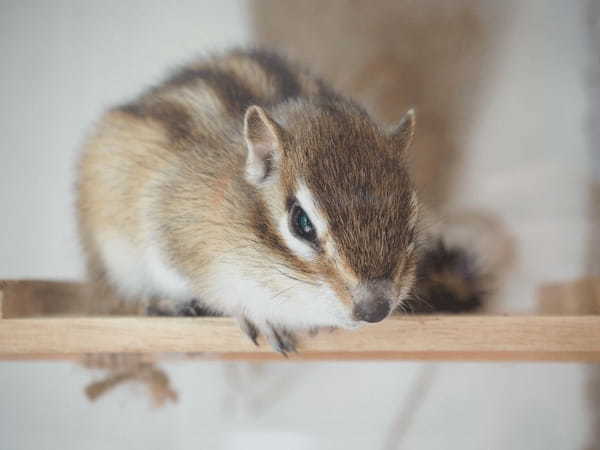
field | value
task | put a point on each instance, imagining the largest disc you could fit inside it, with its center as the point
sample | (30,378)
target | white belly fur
(140,273)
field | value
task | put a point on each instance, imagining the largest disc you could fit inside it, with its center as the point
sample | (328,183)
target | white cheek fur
(292,304)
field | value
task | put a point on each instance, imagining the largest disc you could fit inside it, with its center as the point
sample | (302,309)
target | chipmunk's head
(341,205)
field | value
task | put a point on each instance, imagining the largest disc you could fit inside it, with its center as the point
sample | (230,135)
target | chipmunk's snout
(373,300)
(373,310)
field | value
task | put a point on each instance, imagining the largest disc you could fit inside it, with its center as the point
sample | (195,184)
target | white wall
(528,158)
(64,61)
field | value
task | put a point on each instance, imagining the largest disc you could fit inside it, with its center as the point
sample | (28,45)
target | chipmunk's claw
(282,340)
(249,330)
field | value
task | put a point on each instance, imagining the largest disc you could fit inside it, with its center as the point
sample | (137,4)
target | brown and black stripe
(237,79)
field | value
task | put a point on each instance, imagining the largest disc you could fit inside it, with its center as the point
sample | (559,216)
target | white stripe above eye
(300,247)
(308,204)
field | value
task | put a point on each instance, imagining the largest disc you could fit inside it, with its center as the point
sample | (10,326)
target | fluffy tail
(449,280)
(462,264)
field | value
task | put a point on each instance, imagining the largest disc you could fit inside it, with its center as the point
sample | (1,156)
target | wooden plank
(37,298)
(577,297)
(569,338)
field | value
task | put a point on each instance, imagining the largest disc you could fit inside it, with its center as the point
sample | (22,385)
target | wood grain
(570,338)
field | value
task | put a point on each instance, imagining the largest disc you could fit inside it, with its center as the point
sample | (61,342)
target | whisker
(422,300)
(291,277)
(283,291)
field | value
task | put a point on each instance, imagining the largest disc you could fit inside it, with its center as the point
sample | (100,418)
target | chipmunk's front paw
(194,308)
(191,308)
(281,339)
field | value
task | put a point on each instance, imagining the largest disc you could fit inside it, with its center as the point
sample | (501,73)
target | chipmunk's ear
(403,132)
(263,140)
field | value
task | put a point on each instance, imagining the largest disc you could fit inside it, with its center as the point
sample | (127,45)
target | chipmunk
(245,186)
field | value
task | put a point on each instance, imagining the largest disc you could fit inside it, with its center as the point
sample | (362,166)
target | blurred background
(507,95)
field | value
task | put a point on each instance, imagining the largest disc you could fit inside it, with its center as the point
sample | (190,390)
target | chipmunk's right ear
(403,132)
(263,140)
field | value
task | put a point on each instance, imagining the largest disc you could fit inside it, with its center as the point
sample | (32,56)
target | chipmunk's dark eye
(301,224)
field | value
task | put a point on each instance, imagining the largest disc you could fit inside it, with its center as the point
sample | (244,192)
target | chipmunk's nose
(374,310)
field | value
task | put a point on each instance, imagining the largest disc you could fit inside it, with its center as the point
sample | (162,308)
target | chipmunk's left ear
(403,132)
(264,144)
